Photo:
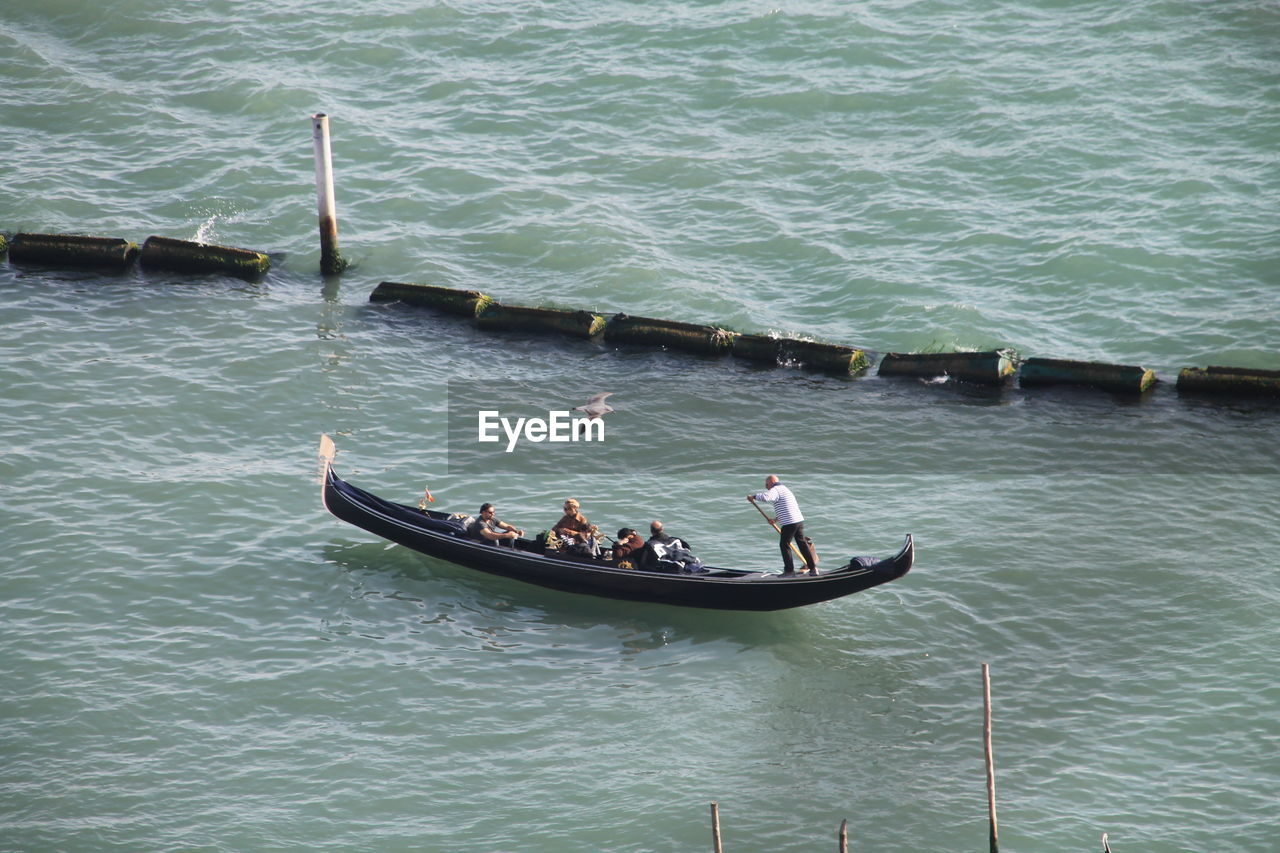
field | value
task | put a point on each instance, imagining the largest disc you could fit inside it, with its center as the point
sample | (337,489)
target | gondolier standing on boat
(790,524)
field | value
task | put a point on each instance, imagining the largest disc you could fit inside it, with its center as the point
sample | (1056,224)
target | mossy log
(518,318)
(4,244)
(1229,381)
(670,334)
(828,358)
(166,253)
(1111,377)
(762,348)
(70,250)
(811,355)
(992,367)
(463,303)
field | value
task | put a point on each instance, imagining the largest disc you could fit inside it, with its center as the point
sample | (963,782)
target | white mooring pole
(331,261)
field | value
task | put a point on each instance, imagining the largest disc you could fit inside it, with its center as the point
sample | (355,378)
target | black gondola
(436,534)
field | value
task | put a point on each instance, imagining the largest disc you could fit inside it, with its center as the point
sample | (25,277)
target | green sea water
(195,656)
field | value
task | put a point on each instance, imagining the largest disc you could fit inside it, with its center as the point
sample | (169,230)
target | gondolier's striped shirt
(784,504)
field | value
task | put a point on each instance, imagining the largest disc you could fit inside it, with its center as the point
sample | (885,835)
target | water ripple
(198,657)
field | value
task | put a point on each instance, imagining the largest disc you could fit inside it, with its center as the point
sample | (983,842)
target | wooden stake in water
(991,769)
(715,827)
(331,261)
(844,836)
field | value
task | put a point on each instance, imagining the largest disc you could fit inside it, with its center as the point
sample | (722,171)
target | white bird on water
(596,407)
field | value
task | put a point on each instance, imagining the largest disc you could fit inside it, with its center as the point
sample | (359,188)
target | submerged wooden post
(831,358)
(463,303)
(165,253)
(331,261)
(715,827)
(1229,381)
(991,769)
(72,250)
(992,367)
(1111,377)
(669,334)
(844,836)
(520,318)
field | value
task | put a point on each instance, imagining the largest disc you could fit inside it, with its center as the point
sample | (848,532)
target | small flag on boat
(426,499)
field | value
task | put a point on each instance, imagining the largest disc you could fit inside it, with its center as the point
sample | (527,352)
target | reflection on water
(465,599)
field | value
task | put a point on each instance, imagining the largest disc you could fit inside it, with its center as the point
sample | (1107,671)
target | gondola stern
(888,568)
(906,557)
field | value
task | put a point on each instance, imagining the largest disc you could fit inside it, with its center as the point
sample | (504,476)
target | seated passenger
(658,534)
(664,553)
(489,528)
(578,535)
(627,544)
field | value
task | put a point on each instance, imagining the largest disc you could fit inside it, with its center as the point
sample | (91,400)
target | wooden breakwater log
(558,321)
(166,253)
(762,348)
(463,303)
(670,334)
(810,355)
(992,367)
(1037,372)
(828,358)
(71,250)
(1229,381)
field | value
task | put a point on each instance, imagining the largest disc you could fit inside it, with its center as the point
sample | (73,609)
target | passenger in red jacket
(628,543)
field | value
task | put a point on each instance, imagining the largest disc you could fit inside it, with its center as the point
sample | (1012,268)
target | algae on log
(1230,381)
(463,303)
(691,337)
(166,253)
(1111,377)
(4,244)
(518,318)
(72,250)
(993,367)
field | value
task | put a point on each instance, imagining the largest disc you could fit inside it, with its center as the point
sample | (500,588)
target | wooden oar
(775,526)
